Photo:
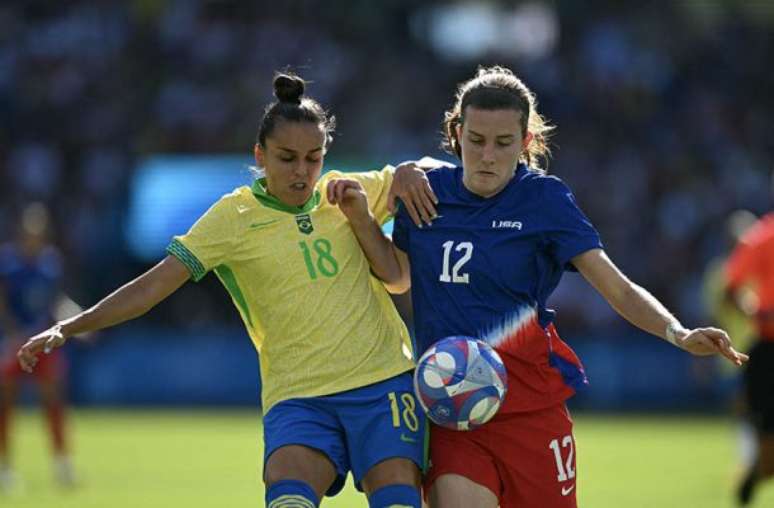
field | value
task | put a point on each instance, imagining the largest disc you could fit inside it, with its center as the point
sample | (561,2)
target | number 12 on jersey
(466,248)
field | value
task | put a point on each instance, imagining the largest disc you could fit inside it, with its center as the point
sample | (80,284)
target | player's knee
(290,493)
(403,496)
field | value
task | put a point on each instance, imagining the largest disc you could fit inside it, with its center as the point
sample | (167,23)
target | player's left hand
(711,341)
(411,186)
(350,197)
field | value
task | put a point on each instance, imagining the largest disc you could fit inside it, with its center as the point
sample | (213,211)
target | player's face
(292,159)
(491,142)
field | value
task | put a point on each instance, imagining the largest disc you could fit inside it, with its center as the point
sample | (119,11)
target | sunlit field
(128,458)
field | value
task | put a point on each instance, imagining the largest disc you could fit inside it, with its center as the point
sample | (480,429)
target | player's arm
(128,302)
(411,186)
(643,310)
(389,265)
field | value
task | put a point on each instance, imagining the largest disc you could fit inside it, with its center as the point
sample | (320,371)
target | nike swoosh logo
(407,439)
(256,225)
(566,490)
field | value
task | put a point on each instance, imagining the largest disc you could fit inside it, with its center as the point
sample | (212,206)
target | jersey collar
(266,199)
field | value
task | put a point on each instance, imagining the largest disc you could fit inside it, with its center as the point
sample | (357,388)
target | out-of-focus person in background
(750,271)
(30,275)
(336,359)
(727,315)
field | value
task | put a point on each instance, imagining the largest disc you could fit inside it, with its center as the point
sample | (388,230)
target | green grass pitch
(129,458)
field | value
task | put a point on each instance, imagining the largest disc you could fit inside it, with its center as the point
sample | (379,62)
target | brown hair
(291,105)
(498,88)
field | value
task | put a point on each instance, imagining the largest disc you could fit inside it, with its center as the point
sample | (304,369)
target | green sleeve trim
(228,279)
(181,252)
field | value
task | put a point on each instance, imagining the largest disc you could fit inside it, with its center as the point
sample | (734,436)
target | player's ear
(259,155)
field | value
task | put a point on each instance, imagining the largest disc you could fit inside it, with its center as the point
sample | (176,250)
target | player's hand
(711,341)
(411,186)
(350,197)
(44,342)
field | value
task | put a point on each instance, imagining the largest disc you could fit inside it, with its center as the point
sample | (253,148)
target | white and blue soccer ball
(460,382)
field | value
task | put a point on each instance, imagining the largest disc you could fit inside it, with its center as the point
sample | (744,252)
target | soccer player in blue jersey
(336,359)
(484,263)
(30,277)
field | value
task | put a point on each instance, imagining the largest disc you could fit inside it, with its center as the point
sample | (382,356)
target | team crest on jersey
(304,223)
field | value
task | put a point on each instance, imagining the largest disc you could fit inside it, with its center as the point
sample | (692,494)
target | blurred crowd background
(664,114)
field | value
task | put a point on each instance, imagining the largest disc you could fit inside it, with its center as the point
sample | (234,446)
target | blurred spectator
(726,315)
(30,274)
(751,266)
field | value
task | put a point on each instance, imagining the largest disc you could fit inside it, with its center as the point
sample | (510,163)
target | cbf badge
(304,223)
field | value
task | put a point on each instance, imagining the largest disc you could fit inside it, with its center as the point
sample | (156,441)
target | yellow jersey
(320,320)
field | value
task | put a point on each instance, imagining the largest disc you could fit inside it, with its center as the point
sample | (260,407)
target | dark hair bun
(288,88)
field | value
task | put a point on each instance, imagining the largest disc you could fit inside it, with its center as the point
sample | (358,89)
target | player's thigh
(456,455)
(304,441)
(455,491)
(395,471)
(385,430)
(296,462)
(535,457)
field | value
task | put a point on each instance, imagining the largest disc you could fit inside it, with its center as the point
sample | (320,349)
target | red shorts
(526,459)
(50,367)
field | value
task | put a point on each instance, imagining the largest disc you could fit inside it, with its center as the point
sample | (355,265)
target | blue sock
(402,496)
(291,493)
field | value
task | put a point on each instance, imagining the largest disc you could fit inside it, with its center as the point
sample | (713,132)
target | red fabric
(533,382)
(50,367)
(512,456)
(752,261)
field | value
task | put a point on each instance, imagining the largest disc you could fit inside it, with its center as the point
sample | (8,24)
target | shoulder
(221,217)
(235,201)
(544,182)
(375,175)
(443,181)
(548,188)
(444,176)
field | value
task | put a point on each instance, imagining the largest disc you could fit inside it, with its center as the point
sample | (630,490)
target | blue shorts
(356,429)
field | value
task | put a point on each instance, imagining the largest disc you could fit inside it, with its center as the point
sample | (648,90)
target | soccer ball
(460,382)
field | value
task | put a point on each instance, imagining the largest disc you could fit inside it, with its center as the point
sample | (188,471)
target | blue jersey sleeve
(570,232)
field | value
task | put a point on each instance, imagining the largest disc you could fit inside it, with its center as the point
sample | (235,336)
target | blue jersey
(30,286)
(485,269)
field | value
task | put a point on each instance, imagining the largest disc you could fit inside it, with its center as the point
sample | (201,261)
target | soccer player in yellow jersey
(335,357)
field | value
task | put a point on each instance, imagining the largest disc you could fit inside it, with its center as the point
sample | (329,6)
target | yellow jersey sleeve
(377,186)
(209,241)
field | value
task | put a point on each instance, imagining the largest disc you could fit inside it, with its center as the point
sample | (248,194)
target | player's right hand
(350,197)
(43,342)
